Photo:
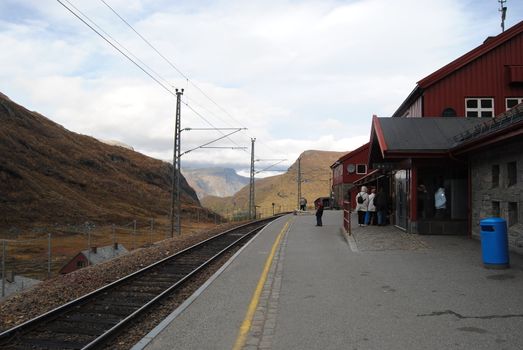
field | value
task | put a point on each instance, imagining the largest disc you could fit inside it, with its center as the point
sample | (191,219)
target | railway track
(92,320)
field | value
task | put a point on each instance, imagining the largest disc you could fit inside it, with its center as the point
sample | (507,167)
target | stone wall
(487,199)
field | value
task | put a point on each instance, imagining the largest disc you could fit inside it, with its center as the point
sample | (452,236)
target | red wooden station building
(445,138)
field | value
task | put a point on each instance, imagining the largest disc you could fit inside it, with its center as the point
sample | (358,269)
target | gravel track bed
(152,317)
(62,289)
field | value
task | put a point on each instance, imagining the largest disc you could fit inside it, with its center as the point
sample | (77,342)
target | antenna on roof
(503,10)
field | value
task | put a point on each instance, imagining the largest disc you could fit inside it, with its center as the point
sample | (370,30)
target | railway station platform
(298,286)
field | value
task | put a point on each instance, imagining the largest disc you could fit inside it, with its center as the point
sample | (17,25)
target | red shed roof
(488,45)
(350,154)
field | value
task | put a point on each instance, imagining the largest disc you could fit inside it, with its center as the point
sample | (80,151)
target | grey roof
(104,253)
(501,122)
(424,134)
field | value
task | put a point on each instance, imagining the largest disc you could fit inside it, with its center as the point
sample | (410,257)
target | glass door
(401,189)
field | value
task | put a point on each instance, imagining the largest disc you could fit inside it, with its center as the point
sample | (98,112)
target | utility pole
(251,185)
(176,169)
(3,267)
(503,10)
(298,179)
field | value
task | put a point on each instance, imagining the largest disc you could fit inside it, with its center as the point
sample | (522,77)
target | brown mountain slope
(282,189)
(51,175)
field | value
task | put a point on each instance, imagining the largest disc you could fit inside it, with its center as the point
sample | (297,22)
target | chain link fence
(27,257)
(30,257)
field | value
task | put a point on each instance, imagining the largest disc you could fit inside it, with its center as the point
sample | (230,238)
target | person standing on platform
(303,204)
(362,204)
(380,202)
(319,214)
(371,208)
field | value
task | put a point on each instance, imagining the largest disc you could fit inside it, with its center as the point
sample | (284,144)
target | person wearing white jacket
(362,204)
(371,208)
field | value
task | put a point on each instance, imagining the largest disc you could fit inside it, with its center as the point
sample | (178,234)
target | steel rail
(13,334)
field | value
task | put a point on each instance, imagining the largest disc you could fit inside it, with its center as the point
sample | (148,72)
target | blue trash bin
(494,243)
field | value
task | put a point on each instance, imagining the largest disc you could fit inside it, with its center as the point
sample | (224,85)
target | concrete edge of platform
(350,240)
(148,338)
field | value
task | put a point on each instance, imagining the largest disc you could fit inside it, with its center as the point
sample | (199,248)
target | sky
(298,75)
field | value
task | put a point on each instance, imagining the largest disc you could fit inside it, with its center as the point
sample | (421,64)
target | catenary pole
(178,163)
(3,268)
(251,185)
(175,176)
(49,256)
(298,179)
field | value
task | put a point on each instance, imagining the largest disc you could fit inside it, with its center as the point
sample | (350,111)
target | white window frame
(518,99)
(360,173)
(479,109)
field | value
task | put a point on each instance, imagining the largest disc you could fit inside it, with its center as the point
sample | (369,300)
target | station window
(361,169)
(512,173)
(479,107)
(80,263)
(511,102)
(496,211)
(448,112)
(495,175)
(512,213)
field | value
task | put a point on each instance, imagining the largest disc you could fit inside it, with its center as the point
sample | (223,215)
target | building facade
(93,256)
(346,171)
(496,174)
(422,166)
(482,83)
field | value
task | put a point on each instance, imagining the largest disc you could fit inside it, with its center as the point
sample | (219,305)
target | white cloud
(299,74)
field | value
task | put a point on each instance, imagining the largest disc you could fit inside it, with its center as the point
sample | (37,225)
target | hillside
(219,182)
(49,175)
(282,189)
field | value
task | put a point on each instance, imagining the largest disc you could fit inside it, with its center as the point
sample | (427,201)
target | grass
(28,255)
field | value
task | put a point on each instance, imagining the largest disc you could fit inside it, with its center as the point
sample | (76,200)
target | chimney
(489,38)
(115,246)
(93,249)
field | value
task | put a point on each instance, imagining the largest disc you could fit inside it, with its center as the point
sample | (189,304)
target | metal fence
(31,256)
(346,217)
(41,253)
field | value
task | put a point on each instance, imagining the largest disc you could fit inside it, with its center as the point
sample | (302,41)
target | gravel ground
(150,319)
(61,289)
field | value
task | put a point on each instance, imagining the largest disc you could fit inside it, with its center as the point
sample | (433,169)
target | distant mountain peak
(216,181)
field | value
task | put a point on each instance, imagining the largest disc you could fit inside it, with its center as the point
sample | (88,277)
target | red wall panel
(487,76)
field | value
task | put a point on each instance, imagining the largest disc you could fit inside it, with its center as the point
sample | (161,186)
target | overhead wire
(115,47)
(149,71)
(98,30)
(169,62)
(120,44)
(189,81)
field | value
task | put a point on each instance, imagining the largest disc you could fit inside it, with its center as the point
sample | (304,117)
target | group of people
(371,208)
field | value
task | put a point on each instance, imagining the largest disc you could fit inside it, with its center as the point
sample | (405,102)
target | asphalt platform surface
(379,288)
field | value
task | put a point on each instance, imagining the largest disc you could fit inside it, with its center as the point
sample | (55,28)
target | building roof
(104,253)
(408,137)
(350,154)
(487,46)
(506,125)
(425,137)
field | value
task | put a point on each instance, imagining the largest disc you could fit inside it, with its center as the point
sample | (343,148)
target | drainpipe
(469,201)
(414,199)
(469,191)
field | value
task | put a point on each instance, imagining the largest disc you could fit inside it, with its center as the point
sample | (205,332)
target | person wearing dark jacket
(319,214)
(380,201)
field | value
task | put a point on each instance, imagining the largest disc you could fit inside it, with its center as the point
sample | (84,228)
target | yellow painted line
(247,322)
